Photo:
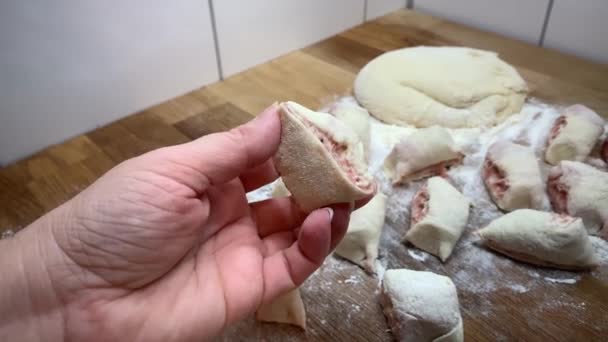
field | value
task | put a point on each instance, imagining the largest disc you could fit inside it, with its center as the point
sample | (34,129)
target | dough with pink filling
(355,117)
(438,217)
(580,190)
(320,159)
(512,176)
(541,238)
(426,152)
(574,134)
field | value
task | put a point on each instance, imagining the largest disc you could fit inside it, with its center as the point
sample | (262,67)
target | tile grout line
(364,10)
(216,41)
(543,32)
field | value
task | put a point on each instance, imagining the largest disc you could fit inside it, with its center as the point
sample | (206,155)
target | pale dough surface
(587,194)
(360,244)
(357,118)
(439,230)
(522,174)
(541,238)
(423,148)
(287,309)
(449,86)
(577,137)
(421,306)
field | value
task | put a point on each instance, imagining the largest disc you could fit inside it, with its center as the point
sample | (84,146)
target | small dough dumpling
(541,238)
(426,152)
(512,176)
(357,118)
(360,244)
(287,309)
(438,217)
(320,159)
(574,134)
(449,86)
(421,306)
(577,189)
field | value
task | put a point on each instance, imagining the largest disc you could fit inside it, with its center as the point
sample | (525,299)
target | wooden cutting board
(510,301)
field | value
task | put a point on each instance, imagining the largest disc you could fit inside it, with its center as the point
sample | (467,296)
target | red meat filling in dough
(420,205)
(557,128)
(495,179)
(438,169)
(338,153)
(558,194)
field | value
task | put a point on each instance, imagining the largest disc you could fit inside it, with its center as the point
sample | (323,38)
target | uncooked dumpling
(360,244)
(421,306)
(512,176)
(573,135)
(320,159)
(357,118)
(288,309)
(580,190)
(438,217)
(448,86)
(541,238)
(424,153)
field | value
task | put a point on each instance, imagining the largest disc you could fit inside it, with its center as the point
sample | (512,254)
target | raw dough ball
(357,118)
(573,135)
(447,86)
(439,215)
(426,152)
(580,190)
(421,306)
(288,309)
(541,238)
(360,244)
(512,176)
(320,159)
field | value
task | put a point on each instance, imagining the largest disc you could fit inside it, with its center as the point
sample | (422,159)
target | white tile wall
(252,32)
(520,19)
(377,8)
(580,28)
(69,66)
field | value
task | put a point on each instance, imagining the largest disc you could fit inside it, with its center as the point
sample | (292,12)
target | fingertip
(339,222)
(314,238)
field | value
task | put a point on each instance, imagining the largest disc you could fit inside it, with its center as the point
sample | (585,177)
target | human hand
(166,247)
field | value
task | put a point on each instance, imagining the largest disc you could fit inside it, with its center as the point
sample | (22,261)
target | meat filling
(605,150)
(338,153)
(557,128)
(420,205)
(494,179)
(438,169)
(558,194)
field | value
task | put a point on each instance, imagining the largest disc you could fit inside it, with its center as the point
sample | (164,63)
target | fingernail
(330,211)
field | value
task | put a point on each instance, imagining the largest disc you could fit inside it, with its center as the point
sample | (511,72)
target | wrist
(29,303)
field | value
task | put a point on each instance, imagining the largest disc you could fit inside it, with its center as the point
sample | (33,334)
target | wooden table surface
(341,300)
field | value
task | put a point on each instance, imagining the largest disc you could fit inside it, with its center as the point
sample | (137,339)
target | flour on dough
(580,190)
(360,244)
(320,159)
(424,153)
(439,216)
(541,238)
(421,306)
(512,176)
(574,134)
(448,86)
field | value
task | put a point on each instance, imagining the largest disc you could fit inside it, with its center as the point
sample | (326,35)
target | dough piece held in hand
(424,153)
(421,306)
(288,309)
(360,244)
(573,135)
(512,176)
(355,117)
(541,238)
(580,190)
(438,217)
(448,86)
(320,159)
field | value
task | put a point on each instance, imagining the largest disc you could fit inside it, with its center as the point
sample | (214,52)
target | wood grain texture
(340,298)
